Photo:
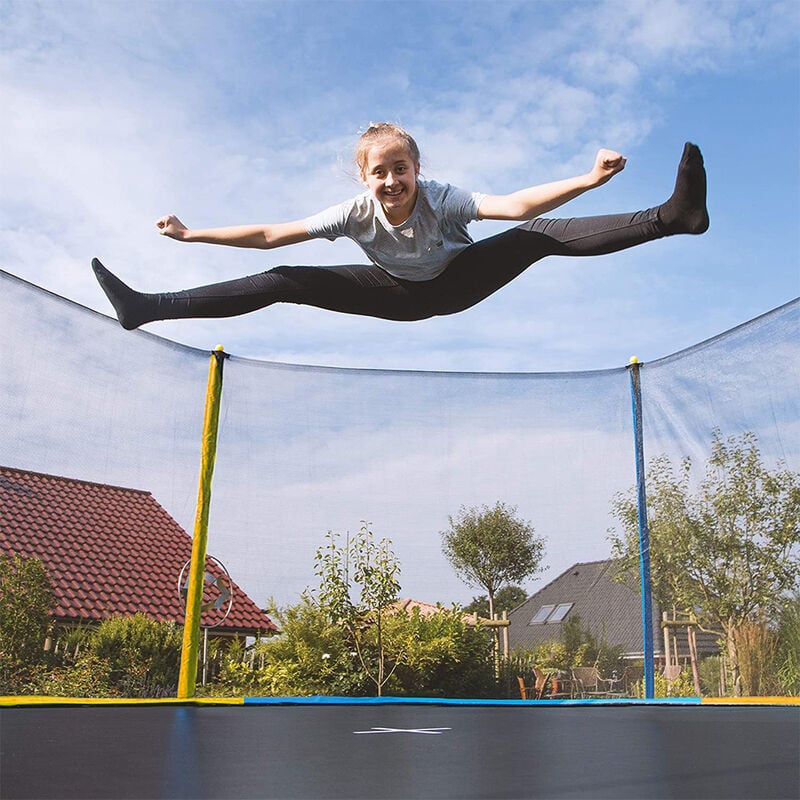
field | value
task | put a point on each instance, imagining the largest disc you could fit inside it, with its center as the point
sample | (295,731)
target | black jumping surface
(350,752)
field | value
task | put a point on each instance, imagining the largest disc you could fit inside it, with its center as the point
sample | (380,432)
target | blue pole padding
(644,532)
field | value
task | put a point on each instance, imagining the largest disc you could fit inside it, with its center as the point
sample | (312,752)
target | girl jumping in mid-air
(424,263)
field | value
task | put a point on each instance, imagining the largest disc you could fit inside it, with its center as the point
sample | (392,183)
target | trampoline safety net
(304,450)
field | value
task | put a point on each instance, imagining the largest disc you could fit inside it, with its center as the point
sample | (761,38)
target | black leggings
(474,274)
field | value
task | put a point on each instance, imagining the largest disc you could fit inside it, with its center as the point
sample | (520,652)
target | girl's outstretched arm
(529,203)
(263,237)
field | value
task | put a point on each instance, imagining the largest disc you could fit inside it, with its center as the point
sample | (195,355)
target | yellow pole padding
(194,596)
(48,700)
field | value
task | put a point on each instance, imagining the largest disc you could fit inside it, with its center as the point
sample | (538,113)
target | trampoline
(392,748)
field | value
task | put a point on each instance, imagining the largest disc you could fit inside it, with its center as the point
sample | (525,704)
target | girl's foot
(685,211)
(131,306)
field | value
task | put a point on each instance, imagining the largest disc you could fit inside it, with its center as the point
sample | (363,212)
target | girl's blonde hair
(378,131)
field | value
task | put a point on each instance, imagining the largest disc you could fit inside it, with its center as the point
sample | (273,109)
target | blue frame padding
(444,701)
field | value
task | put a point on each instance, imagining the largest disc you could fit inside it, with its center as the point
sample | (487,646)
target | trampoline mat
(399,751)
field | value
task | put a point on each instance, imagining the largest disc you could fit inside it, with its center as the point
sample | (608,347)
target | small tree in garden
(442,655)
(358,581)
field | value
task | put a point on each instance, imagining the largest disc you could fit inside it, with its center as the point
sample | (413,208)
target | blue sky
(225,113)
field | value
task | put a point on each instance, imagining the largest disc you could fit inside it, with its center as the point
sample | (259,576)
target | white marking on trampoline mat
(429,731)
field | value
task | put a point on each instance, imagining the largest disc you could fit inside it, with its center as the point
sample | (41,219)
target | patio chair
(587,681)
(614,686)
(526,692)
(590,683)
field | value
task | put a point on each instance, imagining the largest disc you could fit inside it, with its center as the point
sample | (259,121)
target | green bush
(85,676)
(311,657)
(441,656)
(143,655)
(787,659)
(26,599)
(683,686)
(436,656)
(710,670)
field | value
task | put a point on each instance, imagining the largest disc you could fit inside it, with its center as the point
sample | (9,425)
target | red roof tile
(108,550)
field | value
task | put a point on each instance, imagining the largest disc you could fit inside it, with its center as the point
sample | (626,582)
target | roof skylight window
(541,615)
(561,611)
(549,614)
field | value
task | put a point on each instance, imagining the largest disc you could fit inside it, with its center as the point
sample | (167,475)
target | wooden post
(690,633)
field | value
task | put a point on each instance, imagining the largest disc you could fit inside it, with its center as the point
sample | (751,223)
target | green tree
(358,582)
(506,599)
(490,547)
(726,551)
(26,600)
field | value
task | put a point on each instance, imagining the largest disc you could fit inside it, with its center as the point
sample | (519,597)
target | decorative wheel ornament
(217,591)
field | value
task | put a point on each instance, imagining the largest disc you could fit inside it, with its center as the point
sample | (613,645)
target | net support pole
(187,679)
(644,531)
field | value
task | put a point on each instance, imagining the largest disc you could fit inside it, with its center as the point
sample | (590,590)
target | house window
(561,611)
(541,615)
(551,614)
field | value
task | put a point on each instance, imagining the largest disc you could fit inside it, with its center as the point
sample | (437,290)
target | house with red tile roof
(112,551)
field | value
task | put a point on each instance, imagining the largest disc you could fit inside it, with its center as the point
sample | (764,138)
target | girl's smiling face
(390,173)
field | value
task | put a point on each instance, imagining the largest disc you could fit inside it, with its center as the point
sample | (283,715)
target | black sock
(133,308)
(685,211)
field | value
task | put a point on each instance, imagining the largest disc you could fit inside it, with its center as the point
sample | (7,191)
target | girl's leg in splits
(486,266)
(361,289)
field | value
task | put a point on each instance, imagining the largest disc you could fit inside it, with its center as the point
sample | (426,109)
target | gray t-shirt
(422,246)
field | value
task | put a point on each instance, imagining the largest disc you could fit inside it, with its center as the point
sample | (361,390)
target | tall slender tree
(358,582)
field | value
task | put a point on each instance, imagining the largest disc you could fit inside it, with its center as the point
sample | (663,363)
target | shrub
(26,599)
(683,686)
(441,656)
(143,655)
(435,656)
(85,676)
(787,658)
(711,670)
